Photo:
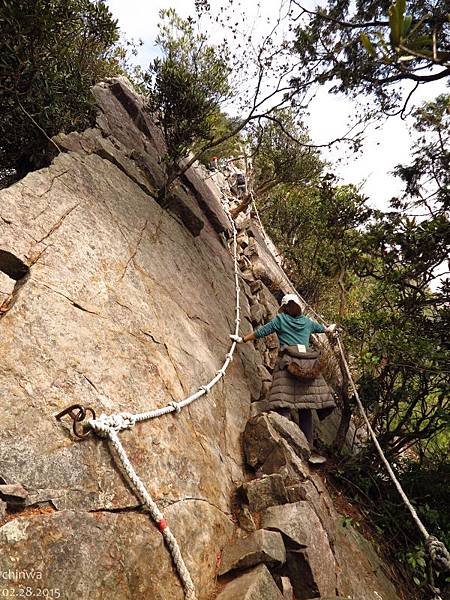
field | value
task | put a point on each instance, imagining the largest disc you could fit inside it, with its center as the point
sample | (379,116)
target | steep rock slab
(122,309)
(146,147)
(110,340)
(264,265)
(257,584)
(259,547)
(360,571)
(205,191)
(111,555)
(116,305)
(124,120)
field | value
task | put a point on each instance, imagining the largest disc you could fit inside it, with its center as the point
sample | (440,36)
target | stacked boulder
(265,282)
(287,538)
(295,546)
(290,543)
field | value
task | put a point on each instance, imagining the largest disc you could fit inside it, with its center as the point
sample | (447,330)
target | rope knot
(104,423)
(438,553)
(176,406)
(205,388)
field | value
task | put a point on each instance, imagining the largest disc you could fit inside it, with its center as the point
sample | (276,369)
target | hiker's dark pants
(304,419)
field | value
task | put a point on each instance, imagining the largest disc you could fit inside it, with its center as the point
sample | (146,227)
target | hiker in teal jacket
(290,325)
(288,396)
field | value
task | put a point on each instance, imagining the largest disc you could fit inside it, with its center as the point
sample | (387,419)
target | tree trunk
(242,206)
(346,416)
(344,424)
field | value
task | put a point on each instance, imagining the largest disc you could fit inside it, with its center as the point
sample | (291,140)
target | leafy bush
(52,52)
(185,87)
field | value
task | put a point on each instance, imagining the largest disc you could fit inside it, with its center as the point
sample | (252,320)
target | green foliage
(403,321)
(316,227)
(399,332)
(282,152)
(222,125)
(427,178)
(422,38)
(415,558)
(369,47)
(51,52)
(424,484)
(384,268)
(186,86)
(346,521)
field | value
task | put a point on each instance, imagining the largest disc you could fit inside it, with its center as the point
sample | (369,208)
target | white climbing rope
(109,426)
(156,514)
(437,551)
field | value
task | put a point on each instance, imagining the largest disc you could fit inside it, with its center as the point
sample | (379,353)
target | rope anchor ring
(77,417)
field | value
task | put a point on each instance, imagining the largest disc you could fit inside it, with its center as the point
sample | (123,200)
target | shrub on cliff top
(52,52)
(186,86)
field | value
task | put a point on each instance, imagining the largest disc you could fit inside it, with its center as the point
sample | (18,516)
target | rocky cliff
(111,300)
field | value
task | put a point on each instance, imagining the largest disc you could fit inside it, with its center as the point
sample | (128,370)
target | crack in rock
(60,221)
(138,508)
(49,189)
(169,503)
(74,303)
(131,258)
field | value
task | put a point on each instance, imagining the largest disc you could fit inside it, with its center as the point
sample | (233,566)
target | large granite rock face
(110,555)
(123,309)
(118,299)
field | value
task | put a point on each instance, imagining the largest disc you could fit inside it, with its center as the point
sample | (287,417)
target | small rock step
(259,547)
(257,584)
(265,491)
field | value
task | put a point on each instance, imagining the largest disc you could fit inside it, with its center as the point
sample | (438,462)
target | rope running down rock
(108,426)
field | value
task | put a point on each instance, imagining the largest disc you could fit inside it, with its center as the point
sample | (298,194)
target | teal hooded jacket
(290,330)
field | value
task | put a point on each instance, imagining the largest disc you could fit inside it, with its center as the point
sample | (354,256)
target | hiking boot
(316,459)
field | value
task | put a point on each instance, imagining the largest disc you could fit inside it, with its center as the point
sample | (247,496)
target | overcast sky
(384,147)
